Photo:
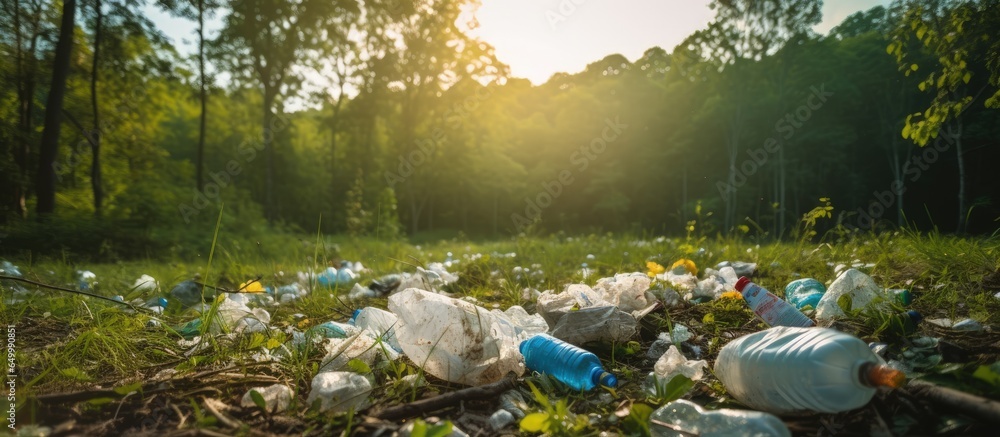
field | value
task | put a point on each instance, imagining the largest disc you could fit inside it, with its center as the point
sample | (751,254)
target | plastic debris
(145,284)
(513,402)
(385,285)
(85,279)
(8,269)
(772,310)
(345,275)
(277,398)
(739,267)
(683,418)
(189,293)
(443,273)
(786,370)
(339,391)
(805,292)
(328,278)
(860,287)
(605,324)
(961,325)
(340,351)
(678,334)
(525,325)
(669,365)
(628,291)
(359,291)
(575,367)
(380,324)
(454,339)
(501,419)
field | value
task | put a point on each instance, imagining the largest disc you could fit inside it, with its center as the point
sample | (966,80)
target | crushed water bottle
(569,364)
(789,370)
(771,309)
(683,418)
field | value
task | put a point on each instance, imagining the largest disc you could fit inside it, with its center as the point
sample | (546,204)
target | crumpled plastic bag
(453,339)
(277,398)
(361,346)
(552,306)
(671,364)
(598,324)
(628,291)
(859,286)
(525,325)
(339,391)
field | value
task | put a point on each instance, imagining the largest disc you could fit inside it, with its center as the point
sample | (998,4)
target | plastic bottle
(683,418)
(569,364)
(771,309)
(804,292)
(786,369)
(901,295)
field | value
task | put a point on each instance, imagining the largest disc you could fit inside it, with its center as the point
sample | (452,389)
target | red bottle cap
(742,283)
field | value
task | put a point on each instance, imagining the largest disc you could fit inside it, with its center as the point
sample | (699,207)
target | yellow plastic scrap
(687,264)
(251,286)
(654,269)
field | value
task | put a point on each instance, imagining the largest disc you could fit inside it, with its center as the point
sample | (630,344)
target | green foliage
(554,419)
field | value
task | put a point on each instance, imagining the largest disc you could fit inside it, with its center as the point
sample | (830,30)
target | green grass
(68,342)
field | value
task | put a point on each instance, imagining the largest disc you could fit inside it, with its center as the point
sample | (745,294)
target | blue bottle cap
(915,316)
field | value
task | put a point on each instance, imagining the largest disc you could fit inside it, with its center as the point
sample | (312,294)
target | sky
(538,38)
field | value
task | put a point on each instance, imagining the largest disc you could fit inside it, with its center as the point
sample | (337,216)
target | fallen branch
(979,407)
(68,290)
(439,402)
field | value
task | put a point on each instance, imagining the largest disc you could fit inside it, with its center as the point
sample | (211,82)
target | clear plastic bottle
(786,369)
(683,418)
(770,308)
(569,364)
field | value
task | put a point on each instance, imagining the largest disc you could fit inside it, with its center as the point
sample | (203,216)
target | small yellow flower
(654,269)
(251,287)
(687,264)
(731,295)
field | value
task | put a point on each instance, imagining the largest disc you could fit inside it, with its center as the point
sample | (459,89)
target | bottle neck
(600,377)
(875,375)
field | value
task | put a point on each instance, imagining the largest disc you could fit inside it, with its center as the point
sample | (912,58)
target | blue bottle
(569,364)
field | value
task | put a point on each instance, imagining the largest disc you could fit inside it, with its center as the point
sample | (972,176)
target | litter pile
(790,368)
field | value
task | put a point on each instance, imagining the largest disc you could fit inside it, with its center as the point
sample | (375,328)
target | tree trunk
(957,135)
(46,178)
(95,146)
(200,164)
(268,138)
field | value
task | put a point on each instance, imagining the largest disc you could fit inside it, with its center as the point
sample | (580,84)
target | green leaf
(440,430)
(673,390)
(534,422)
(988,374)
(844,302)
(637,422)
(258,400)
(967,77)
(708,319)
(76,374)
(126,389)
(921,32)
(358,366)
(914,67)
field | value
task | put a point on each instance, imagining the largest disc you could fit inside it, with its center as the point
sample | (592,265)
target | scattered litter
(380,324)
(501,419)
(575,367)
(188,293)
(677,335)
(339,391)
(525,325)
(145,284)
(359,291)
(8,269)
(739,267)
(683,418)
(771,309)
(85,280)
(277,398)
(513,402)
(671,364)
(454,339)
(961,325)
(787,369)
(604,325)
(628,291)
(860,287)
(443,273)
(805,292)
(340,352)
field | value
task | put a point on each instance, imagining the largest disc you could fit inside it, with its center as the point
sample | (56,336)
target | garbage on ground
(585,271)
(339,391)
(290,292)
(277,398)
(856,264)
(739,267)
(901,295)
(500,419)
(805,292)
(145,284)
(85,280)
(769,308)
(9,269)
(605,324)
(453,339)
(525,325)
(678,334)
(380,324)
(961,325)
(683,418)
(188,293)
(513,402)
(360,346)
(628,291)
(156,305)
(790,369)
(862,291)
(671,364)
(443,273)
(571,365)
